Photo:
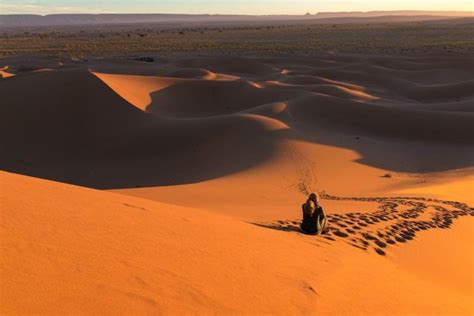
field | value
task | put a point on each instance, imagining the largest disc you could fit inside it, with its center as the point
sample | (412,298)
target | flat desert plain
(175,186)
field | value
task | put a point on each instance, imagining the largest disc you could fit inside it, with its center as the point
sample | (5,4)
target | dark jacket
(312,218)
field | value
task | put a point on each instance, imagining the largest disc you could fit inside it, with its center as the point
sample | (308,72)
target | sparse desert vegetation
(393,38)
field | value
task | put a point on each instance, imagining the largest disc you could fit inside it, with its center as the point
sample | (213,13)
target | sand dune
(161,258)
(4,73)
(86,131)
(219,154)
(178,98)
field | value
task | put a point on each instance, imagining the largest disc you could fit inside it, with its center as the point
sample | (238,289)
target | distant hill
(27,20)
(325,15)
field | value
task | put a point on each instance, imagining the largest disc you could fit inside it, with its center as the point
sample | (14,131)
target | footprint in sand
(391,225)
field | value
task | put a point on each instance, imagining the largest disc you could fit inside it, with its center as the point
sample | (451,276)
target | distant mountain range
(27,20)
(394,13)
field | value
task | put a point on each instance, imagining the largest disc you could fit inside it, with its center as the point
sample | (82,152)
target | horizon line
(237,14)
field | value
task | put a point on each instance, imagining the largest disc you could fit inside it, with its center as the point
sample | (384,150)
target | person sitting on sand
(314,219)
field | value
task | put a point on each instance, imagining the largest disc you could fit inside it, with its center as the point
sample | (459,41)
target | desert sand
(176,186)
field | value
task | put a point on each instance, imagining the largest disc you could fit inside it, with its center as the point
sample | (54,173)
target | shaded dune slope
(371,119)
(211,98)
(169,130)
(363,104)
(69,126)
(331,103)
(66,109)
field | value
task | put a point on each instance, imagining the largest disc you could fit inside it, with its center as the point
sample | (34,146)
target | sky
(259,7)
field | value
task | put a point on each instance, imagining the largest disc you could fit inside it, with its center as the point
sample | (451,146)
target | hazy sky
(225,6)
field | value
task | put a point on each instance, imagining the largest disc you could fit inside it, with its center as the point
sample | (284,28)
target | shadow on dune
(69,126)
(210,98)
(388,226)
(399,140)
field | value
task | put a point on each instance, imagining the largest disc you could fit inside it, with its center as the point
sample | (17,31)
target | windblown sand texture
(176,186)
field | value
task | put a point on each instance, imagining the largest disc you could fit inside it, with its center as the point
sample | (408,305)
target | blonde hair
(314,196)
